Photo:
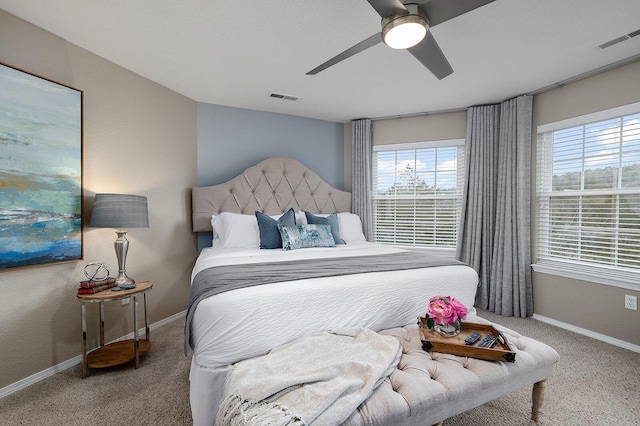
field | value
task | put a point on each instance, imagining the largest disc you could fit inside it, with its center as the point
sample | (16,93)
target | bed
(250,320)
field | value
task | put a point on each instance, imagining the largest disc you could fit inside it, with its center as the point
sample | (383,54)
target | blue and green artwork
(40,170)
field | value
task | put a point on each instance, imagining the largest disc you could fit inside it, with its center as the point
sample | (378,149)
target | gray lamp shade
(119,211)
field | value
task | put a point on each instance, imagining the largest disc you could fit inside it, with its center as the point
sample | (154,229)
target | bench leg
(537,397)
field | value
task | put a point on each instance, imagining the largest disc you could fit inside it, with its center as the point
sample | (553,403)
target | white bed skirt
(205,393)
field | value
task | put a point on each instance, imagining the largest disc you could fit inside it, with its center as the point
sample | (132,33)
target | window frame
(611,275)
(460,175)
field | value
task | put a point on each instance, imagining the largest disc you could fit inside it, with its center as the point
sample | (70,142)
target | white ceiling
(236,53)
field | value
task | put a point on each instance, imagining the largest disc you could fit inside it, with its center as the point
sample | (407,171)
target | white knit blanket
(320,379)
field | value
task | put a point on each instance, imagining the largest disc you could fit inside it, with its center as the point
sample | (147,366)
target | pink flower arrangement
(445,310)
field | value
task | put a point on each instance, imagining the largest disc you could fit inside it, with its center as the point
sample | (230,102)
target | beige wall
(139,138)
(595,307)
(451,125)
(586,305)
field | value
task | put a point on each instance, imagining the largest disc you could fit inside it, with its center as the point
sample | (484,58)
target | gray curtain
(495,232)
(361,175)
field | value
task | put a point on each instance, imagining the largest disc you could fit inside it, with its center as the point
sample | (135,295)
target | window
(588,194)
(417,193)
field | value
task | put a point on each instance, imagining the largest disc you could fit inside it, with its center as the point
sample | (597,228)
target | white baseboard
(589,333)
(153,326)
(28,381)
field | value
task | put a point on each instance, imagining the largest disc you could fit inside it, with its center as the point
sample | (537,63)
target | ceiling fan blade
(388,7)
(428,52)
(440,11)
(363,45)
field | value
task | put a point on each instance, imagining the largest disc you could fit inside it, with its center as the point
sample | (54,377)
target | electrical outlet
(630,302)
(126,300)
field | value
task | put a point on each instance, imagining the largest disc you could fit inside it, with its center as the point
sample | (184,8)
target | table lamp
(120,211)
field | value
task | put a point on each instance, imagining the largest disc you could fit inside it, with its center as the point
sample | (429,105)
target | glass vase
(447,330)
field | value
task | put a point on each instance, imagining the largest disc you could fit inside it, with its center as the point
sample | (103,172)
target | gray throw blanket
(319,379)
(219,279)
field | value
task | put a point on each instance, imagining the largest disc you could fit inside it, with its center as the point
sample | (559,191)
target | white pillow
(301,218)
(350,228)
(214,235)
(233,230)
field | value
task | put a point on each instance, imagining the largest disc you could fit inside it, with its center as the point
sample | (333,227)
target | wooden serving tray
(432,341)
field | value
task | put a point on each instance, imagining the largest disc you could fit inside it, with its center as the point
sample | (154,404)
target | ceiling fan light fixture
(405,31)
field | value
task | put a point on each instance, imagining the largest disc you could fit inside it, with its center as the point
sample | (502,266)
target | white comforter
(248,322)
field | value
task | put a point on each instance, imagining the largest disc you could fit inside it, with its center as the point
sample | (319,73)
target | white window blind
(417,193)
(588,194)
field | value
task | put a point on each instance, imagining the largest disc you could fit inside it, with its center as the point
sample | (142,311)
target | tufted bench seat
(427,388)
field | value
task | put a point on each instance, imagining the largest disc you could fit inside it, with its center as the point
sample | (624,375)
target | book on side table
(92,287)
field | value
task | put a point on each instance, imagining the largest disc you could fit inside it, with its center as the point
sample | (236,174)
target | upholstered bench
(428,387)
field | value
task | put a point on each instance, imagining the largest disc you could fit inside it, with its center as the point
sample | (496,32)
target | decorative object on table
(445,315)
(41,166)
(98,279)
(120,211)
(433,341)
(96,271)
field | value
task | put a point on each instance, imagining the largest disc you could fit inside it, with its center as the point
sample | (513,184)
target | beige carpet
(595,384)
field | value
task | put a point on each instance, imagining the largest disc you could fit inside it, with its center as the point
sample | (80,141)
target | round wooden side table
(121,351)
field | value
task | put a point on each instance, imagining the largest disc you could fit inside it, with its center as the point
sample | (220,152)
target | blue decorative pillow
(331,220)
(306,236)
(269,233)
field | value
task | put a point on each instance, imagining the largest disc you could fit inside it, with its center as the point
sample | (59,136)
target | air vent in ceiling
(286,97)
(620,39)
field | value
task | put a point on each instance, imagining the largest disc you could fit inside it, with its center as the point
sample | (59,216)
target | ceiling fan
(406,25)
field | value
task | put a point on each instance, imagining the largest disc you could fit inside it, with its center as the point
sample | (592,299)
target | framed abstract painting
(40,170)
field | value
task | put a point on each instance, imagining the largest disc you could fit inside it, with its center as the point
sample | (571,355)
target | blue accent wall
(233,139)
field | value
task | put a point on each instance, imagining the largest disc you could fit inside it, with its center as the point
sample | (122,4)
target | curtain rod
(557,85)
(418,114)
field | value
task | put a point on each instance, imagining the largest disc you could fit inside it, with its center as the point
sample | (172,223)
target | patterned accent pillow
(331,220)
(306,236)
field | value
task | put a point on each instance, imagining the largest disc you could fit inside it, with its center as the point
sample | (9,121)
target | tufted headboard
(272,186)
